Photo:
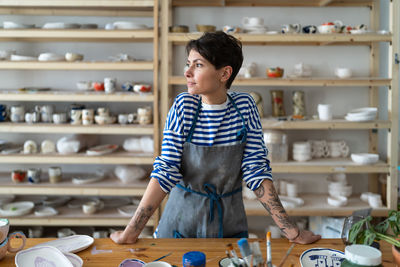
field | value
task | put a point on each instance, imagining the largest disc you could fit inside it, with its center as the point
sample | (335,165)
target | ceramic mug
(144,115)
(4,228)
(325,112)
(46,113)
(59,118)
(252,21)
(132,117)
(123,118)
(32,117)
(91,207)
(76,116)
(127,86)
(18,176)
(87,116)
(6,244)
(55,174)
(17,113)
(110,84)
(34,175)
(103,111)
(309,29)
(291,28)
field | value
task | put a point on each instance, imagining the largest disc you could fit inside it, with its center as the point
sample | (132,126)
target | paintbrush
(286,255)
(234,258)
(269,256)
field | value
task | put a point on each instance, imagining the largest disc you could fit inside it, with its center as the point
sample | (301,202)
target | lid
(363,255)
(194,258)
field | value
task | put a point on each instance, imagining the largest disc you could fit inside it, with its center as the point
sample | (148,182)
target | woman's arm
(150,202)
(268,197)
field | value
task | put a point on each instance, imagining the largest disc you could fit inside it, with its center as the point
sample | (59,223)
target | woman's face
(201,76)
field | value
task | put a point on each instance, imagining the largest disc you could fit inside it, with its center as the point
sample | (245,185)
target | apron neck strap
(242,134)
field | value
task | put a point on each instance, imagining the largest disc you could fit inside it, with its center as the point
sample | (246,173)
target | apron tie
(215,199)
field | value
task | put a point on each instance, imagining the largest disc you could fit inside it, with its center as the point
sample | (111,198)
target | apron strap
(191,131)
(215,199)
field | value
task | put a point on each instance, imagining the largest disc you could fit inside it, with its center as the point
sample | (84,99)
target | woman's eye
(198,65)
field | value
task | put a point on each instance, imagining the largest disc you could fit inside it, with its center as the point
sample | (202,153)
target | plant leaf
(369,237)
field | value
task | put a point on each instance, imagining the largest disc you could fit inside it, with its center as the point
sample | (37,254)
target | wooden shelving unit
(110,186)
(315,204)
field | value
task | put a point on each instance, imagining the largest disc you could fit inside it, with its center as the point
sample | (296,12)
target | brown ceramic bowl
(205,28)
(274,72)
(179,28)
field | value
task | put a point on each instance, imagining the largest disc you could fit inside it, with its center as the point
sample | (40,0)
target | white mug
(59,118)
(325,112)
(123,118)
(46,113)
(17,113)
(343,73)
(109,85)
(87,116)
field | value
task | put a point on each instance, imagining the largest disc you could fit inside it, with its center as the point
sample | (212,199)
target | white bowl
(22,58)
(16,208)
(125,25)
(129,174)
(45,211)
(73,57)
(337,178)
(60,25)
(14,25)
(326,29)
(344,191)
(365,158)
(337,201)
(84,85)
(51,57)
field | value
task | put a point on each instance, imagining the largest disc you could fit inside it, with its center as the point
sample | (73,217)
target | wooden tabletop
(105,253)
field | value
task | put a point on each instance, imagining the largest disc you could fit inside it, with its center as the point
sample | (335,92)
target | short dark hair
(221,50)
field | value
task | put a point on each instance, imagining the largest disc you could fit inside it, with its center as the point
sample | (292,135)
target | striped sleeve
(166,166)
(255,165)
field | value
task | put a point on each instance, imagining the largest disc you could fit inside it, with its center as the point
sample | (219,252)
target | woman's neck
(214,99)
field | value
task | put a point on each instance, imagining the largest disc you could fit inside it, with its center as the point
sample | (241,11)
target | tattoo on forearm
(141,218)
(259,191)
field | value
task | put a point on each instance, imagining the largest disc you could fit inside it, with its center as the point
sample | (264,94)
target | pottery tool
(245,250)
(269,254)
(160,258)
(234,258)
(286,255)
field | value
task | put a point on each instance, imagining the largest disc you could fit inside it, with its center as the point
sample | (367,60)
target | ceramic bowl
(324,29)
(99,119)
(365,158)
(73,57)
(179,28)
(337,201)
(45,211)
(129,174)
(51,57)
(4,228)
(85,85)
(131,263)
(61,25)
(127,25)
(14,25)
(16,208)
(344,191)
(205,28)
(275,72)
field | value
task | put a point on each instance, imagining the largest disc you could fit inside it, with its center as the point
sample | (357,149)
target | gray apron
(207,202)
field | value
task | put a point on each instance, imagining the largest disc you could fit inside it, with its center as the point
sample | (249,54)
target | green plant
(363,232)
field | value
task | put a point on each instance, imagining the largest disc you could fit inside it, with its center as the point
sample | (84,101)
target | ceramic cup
(325,112)
(32,117)
(127,86)
(343,73)
(87,116)
(110,85)
(6,244)
(144,115)
(92,207)
(46,113)
(4,228)
(34,175)
(133,118)
(63,232)
(18,176)
(76,116)
(309,29)
(59,118)
(375,200)
(157,264)
(123,118)
(291,28)
(292,189)
(103,111)
(252,21)
(3,112)
(98,86)
(17,113)
(55,175)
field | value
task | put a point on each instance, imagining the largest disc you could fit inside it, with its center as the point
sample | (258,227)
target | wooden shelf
(341,165)
(316,205)
(99,65)
(74,95)
(280,3)
(128,129)
(80,158)
(293,39)
(108,187)
(324,81)
(76,35)
(78,3)
(75,217)
(337,124)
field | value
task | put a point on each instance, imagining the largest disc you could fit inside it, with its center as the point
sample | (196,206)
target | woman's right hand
(120,237)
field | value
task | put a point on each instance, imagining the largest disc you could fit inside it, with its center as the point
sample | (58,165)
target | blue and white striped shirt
(217,125)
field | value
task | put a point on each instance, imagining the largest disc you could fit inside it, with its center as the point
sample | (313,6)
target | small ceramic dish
(312,257)
(360,118)
(131,263)
(127,25)
(365,158)
(275,72)
(205,28)
(51,57)
(22,58)
(363,111)
(127,210)
(61,25)
(45,211)
(42,256)
(101,150)
(89,178)
(337,201)
(71,57)
(15,209)
(85,85)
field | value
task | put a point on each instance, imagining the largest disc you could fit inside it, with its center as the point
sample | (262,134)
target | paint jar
(278,110)
(362,256)
(194,259)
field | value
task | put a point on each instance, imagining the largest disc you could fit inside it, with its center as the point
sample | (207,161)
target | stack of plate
(362,114)
(256,29)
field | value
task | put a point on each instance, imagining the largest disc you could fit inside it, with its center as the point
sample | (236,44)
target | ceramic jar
(55,175)
(276,143)
(299,109)
(278,110)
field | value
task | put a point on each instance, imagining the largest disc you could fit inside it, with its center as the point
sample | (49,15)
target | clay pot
(396,255)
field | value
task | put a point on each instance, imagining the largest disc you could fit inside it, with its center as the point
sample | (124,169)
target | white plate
(322,257)
(71,244)
(127,210)
(45,211)
(74,259)
(22,58)
(45,256)
(51,57)
(16,208)
(101,150)
(4,199)
(367,110)
(77,203)
(89,178)
(14,25)
(56,201)
(125,25)
(360,118)
(365,158)
(116,202)
(60,25)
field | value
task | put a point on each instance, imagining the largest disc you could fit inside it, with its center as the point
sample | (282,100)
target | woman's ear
(226,73)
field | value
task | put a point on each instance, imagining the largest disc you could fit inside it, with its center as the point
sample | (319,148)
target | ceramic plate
(321,257)
(101,150)
(56,201)
(74,259)
(60,25)
(89,178)
(127,210)
(23,58)
(45,211)
(12,149)
(42,256)
(77,203)
(14,25)
(71,244)
(131,263)
(116,202)
(16,208)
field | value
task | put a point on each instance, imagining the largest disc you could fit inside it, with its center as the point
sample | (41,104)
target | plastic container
(362,256)
(276,142)
(194,259)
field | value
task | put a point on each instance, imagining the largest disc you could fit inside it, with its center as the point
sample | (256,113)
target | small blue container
(194,259)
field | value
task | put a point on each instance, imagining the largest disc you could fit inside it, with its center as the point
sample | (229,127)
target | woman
(213,141)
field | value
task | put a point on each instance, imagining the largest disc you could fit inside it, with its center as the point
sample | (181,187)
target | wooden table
(100,255)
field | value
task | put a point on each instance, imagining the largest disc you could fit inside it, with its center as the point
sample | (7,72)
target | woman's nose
(188,71)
